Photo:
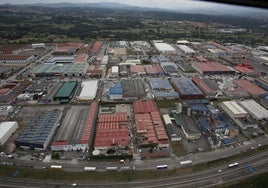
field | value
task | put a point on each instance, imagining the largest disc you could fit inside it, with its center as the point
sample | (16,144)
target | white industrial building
(115,70)
(254,109)
(39,45)
(186,49)
(163,47)
(6,130)
(89,90)
(233,109)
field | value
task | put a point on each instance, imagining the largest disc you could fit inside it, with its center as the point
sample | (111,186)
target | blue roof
(159,83)
(204,125)
(186,86)
(115,90)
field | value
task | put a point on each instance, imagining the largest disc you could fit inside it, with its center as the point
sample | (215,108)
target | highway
(207,178)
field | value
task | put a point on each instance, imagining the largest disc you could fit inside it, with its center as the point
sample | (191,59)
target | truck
(187,162)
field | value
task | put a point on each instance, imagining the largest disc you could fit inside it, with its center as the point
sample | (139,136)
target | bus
(233,165)
(159,167)
(88,168)
(111,168)
(56,167)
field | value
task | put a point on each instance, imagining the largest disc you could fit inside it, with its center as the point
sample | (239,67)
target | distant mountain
(97,5)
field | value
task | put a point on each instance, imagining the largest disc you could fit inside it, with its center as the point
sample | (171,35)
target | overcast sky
(170,4)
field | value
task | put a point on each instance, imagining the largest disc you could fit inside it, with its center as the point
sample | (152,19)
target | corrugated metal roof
(250,87)
(66,90)
(186,87)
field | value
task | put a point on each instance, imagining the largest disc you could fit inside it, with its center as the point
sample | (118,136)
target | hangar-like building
(65,92)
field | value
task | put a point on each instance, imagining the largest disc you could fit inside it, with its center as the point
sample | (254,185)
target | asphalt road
(206,178)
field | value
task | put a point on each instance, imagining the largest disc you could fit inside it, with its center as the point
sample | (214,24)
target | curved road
(206,178)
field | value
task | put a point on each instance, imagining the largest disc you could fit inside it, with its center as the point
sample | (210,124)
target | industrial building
(6,110)
(186,49)
(154,70)
(65,92)
(188,126)
(207,68)
(133,88)
(60,59)
(115,71)
(39,131)
(208,87)
(149,125)
(6,130)
(112,131)
(76,130)
(186,88)
(137,70)
(124,70)
(10,91)
(162,89)
(254,109)
(96,48)
(89,90)
(251,88)
(81,58)
(261,82)
(169,68)
(15,59)
(60,70)
(163,47)
(233,109)
(116,92)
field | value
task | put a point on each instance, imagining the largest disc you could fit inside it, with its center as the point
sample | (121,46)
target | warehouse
(39,131)
(15,59)
(124,70)
(116,92)
(6,130)
(254,109)
(76,131)
(115,71)
(233,109)
(187,50)
(208,87)
(96,48)
(60,70)
(163,47)
(137,70)
(207,68)
(170,68)
(89,90)
(154,70)
(261,82)
(150,128)
(81,58)
(10,91)
(188,126)
(162,89)
(251,88)
(186,88)
(60,59)
(133,88)
(112,131)
(65,92)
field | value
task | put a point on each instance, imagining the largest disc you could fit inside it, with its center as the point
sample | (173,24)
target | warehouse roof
(66,90)
(155,69)
(37,131)
(186,49)
(250,87)
(6,126)
(137,69)
(96,47)
(186,86)
(133,88)
(144,106)
(234,107)
(211,67)
(164,47)
(89,90)
(160,83)
(255,109)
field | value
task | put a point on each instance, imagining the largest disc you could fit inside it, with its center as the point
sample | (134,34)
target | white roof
(183,42)
(234,107)
(89,90)
(115,69)
(164,47)
(254,109)
(6,126)
(186,49)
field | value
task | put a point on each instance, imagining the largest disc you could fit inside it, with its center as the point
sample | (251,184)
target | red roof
(210,67)
(250,87)
(202,85)
(144,106)
(201,59)
(13,57)
(137,69)
(60,143)
(154,69)
(89,123)
(96,47)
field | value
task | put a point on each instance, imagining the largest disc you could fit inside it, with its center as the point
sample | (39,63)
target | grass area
(166,103)
(178,148)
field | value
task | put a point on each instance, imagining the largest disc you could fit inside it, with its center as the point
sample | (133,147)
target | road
(207,178)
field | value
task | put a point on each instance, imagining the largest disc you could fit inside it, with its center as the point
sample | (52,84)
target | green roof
(66,90)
